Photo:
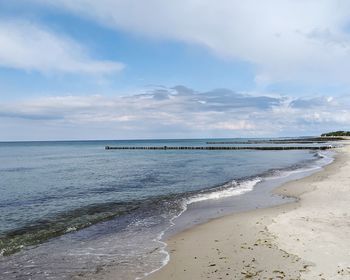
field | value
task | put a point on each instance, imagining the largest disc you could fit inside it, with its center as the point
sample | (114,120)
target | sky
(132,69)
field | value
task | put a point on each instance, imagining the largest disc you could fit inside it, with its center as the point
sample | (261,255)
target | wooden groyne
(263,142)
(217,148)
(308,140)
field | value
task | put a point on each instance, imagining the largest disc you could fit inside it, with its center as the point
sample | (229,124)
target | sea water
(73,208)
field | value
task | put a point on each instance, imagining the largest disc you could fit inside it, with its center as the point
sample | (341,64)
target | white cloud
(174,112)
(24,45)
(284,39)
(239,125)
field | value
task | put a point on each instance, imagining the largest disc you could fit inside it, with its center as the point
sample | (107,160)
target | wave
(49,227)
(230,189)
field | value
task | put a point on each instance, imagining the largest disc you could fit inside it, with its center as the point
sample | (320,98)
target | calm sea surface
(71,208)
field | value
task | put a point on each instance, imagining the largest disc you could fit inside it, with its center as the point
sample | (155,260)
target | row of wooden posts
(218,147)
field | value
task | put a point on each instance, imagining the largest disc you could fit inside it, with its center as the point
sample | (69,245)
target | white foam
(163,245)
(227,191)
(70,229)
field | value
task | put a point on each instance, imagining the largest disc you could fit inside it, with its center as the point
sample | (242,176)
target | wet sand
(307,239)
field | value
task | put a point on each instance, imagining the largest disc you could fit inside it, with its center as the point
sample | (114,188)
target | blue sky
(176,69)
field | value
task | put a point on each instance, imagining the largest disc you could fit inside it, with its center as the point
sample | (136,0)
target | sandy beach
(307,239)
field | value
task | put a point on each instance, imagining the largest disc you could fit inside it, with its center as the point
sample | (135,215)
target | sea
(73,210)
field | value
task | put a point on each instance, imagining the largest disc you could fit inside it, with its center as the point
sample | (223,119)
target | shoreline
(254,245)
(192,215)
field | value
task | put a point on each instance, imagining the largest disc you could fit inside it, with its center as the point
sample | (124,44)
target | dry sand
(308,239)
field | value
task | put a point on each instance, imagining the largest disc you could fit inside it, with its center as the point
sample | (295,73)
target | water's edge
(274,181)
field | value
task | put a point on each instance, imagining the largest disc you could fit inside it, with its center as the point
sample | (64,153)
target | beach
(306,239)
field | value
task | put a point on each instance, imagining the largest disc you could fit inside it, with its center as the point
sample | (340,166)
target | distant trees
(337,133)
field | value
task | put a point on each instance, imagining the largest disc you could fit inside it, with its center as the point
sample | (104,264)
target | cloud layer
(27,46)
(177,112)
(286,40)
